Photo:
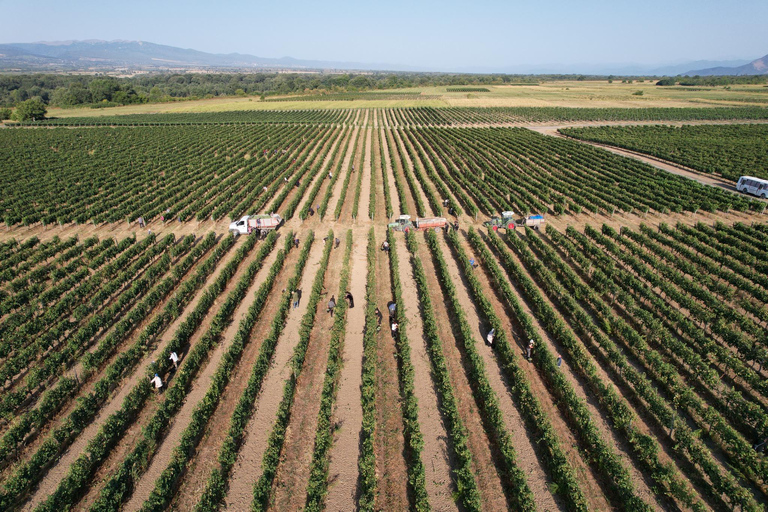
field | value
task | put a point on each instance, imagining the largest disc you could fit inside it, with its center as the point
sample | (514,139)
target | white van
(752,185)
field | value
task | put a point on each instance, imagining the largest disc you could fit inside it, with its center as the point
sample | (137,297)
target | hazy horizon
(448,36)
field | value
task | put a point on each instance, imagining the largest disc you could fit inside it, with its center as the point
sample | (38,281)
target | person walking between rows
(393,327)
(296,298)
(350,299)
(379,318)
(530,349)
(158,382)
(332,304)
(174,357)
(489,337)
(141,222)
(337,242)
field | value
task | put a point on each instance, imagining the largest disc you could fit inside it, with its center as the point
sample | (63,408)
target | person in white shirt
(175,360)
(158,382)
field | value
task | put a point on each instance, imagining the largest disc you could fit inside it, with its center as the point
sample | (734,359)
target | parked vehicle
(405,224)
(506,221)
(259,224)
(751,185)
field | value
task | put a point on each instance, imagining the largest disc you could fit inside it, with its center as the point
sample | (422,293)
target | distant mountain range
(756,67)
(100,56)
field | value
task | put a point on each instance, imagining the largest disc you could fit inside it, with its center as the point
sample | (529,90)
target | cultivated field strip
(645,295)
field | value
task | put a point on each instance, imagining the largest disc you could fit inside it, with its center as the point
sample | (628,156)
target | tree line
(74,90)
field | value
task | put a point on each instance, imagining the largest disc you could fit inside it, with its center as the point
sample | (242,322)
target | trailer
(532,221)
(259,224)
(405,224)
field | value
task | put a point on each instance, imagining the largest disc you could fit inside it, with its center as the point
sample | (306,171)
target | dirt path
(365,186)
(524,443)
(247,469)
(345,169)
(347,419)
(390,443)
(61,468)
(437,468)
(143,487)
(289,490)
(484,466)
(389,170)
(206,458)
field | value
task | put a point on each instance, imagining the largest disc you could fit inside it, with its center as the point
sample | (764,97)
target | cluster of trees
(73,90)
(713,81)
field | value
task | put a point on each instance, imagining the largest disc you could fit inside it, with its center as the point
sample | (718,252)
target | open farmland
(645,297)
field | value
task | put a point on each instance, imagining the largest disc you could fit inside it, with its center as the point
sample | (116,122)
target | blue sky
(431,34)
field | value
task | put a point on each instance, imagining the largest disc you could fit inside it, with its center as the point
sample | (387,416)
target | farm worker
(559,360)
(472,262)
(298,183)
(394,328)
(296,298)
(331,304)
(311,211)
(353,167)
(141,222)
(350,299)
(392,306)
(456,225)
(379,317)
(296,242)
(330,175)
(530,349)
(265,189)
(162,218)
(337,243)
(285,180)
(158,382)
(490,336)
(174,357)
(385,246)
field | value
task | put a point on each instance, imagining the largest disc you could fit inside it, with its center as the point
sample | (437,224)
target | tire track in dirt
(205,460)
(134,433)
(292,477)
(437,465)
(57,472)
(143,487)
(247,469)
(390,442)
(347,419)
(524,444)
(484,467)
